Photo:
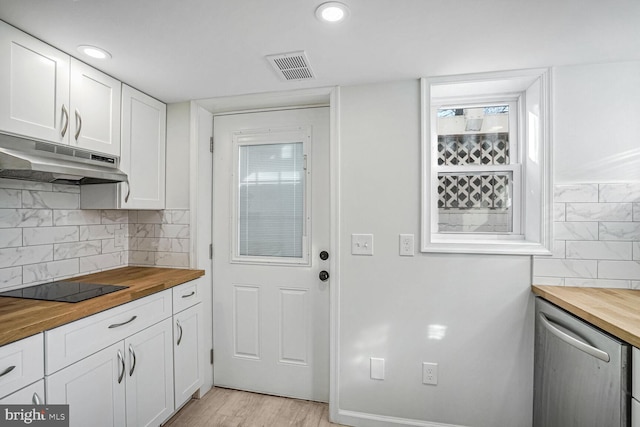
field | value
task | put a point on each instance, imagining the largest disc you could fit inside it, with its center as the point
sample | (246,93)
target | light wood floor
(232,408)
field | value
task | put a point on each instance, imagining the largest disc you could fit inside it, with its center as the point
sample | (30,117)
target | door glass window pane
(271,200)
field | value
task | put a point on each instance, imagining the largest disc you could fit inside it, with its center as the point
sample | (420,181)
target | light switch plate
(377,368)
(362,244)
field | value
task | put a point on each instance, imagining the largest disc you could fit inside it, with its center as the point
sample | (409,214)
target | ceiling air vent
(292,66)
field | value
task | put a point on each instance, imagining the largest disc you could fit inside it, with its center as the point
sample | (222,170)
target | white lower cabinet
(635,387)
(94,389)
(128,383)
(31,394)
(21,365)
(149,375)
(188,358)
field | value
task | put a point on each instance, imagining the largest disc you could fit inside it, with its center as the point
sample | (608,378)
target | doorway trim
(201,210)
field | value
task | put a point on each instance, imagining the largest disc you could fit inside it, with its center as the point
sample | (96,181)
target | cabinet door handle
(189,295)
(121,368)
(79,123)
(133,358)
(117,325)
(180,330)
(65,113)
(6,371)
(35,399)
(126,198)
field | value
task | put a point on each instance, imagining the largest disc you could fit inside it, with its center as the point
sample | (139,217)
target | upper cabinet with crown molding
(47,95)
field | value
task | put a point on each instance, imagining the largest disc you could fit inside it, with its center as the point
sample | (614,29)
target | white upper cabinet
(47,95)
(143,158)
(34,87)
(95,109)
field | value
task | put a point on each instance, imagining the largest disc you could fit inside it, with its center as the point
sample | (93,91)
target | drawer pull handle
(133,357)
(180,329)
(189,295)
(6,371)
(35,399)
(121,373)
(117,325)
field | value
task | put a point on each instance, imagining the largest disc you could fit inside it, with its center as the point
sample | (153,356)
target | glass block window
(475,176)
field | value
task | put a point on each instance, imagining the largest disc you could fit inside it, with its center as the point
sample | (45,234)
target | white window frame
(270,137)
(530,164)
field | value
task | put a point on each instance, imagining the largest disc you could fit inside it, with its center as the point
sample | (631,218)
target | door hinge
(210,250)
(211,356)
(211,144)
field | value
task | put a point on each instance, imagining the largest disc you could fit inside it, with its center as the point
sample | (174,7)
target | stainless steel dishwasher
(582,374)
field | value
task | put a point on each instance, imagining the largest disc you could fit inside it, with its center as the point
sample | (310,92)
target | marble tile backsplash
(597,237)
(44,235)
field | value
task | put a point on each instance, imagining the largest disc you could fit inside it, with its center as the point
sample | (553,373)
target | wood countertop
(616,311)
(20,318)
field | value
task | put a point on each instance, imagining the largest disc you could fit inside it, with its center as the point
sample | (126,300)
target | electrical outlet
(119,238)
(429,373)
(406,245)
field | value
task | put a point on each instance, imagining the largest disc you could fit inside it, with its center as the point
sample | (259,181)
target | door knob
(324,276)
(324,255)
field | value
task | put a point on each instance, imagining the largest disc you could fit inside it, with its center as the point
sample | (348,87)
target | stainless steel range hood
(40,161)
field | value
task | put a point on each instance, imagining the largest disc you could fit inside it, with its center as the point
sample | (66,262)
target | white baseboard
(363,419)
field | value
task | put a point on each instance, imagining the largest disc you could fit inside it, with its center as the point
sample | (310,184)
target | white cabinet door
(635,413)
(95,109)
(21,364)
(188,327)
(30,395)
(34,87)
(94,388)
(143,150)
(150,375)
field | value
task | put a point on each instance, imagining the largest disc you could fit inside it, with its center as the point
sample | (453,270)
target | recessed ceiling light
(332,11)
(94,52)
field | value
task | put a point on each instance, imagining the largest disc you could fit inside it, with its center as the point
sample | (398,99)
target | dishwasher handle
(580,345)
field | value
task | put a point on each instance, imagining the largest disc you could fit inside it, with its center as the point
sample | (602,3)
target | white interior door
(271,223)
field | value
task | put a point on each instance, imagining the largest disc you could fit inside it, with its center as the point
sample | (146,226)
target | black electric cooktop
(63,291)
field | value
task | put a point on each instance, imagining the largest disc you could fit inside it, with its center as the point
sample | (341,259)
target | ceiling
(179,50)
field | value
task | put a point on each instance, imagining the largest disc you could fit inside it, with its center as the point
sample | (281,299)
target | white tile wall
(159,238)
(44,235)
(597,237)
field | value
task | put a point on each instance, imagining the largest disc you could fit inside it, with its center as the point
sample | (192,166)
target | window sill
(519,247)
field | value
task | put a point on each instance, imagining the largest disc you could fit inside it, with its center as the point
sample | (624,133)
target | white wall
(597,123)
(597,177)
(178,156)
(388,302)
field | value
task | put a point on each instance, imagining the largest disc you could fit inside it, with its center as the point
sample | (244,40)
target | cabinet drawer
(74,341)
(21,363)
(188,294)
(30,395)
